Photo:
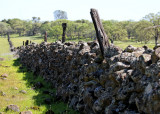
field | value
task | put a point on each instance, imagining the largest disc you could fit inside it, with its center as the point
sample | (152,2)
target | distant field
(18,41)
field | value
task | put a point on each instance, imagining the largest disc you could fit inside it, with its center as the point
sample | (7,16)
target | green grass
(24,80)
(5,49)
(18,41)
(19,77)
(124,44)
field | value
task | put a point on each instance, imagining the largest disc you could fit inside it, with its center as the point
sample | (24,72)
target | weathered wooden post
(64,25)
(8,35)
(26,43)
(45,37)
(100,33)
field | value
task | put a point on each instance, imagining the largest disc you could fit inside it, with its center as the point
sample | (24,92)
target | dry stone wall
(126,81)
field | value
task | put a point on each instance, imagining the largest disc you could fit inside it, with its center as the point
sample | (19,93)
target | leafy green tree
(130,29)
(55,31)
(27,28)
(141,33)
(82,30)
(4,28)
(155,20)
(118,32)
(115,30)
(109,28)
(55,28)
(45,27)
(70,31)
(17,25)
(35,25)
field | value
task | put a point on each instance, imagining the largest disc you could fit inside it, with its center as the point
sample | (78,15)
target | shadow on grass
(46,93)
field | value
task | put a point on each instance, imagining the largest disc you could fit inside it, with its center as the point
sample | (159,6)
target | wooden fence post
(45,37)
(100,33)
(64,25)
(26,43)
(8,35)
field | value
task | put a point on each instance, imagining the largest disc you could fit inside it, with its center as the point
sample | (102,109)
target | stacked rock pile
(125,81)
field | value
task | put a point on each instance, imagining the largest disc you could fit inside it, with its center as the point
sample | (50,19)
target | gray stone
(156,55)
(23,91)
(5,75)
(13,108)
(130,49)
(26,112)
(2,59)
(15,88)
(2,93)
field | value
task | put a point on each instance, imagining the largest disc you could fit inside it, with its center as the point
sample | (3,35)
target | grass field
(20,79)
(124,44)
(5,49)
(18,41)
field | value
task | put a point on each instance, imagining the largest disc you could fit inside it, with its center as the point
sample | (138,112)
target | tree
(115,30)
(35,25)
(70,31)
(45,27)
(17,25)
(119,32)
(5,28)
(141,33)
(56,31)
(155,20)
(109,28)
(27,30)
(130,29)
(59,14)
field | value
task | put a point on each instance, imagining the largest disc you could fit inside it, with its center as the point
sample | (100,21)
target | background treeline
(139,31)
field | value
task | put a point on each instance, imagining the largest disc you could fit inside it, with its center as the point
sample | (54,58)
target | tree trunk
(101,35)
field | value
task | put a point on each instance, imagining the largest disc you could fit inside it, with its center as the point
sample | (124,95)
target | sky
(78,9)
